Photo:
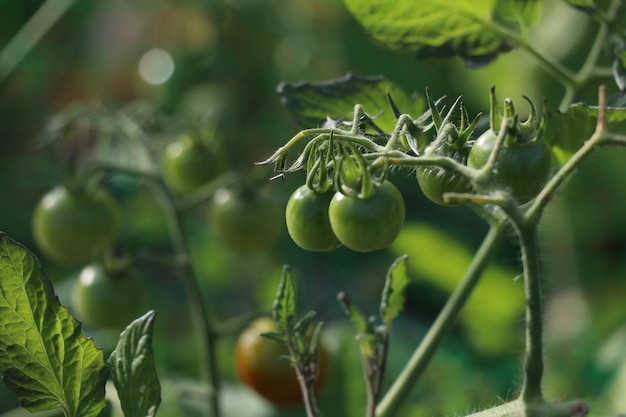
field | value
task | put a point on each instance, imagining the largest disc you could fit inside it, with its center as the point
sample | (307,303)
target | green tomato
(72,228)
(435,181)
(245,221)
(521,168)
(188,165)
(103,299)
(368,224)
(307,220)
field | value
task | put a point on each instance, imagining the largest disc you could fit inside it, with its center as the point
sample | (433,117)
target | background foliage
(229,58)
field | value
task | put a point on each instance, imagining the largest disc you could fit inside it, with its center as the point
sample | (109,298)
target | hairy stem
(533,361)
(402,386)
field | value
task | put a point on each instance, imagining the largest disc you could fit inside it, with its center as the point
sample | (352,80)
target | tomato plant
(103,298)
(307,219)
(260,365)
(522,167)
(368,224)
(188,164)
(245,220)
(71,227)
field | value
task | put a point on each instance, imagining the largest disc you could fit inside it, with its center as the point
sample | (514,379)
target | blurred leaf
(44,358)
(133,370)
(619,70)
(491,315)
(88,134)
(285,302)
(310,104)
(567,132)
(393,297)
(518,12)
(443,28)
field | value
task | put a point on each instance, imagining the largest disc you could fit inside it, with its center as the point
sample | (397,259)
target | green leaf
(366,333)
(44,358)
(285,303)
(567,132)
(353,313)
(444,28)
(133,370)
(393,297)
(310,104)
(521,13)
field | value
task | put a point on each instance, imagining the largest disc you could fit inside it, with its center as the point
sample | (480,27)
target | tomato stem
(533,361)
(402,386)
(197,306)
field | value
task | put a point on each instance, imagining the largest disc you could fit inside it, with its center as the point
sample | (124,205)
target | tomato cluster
(260,364)
(325,221)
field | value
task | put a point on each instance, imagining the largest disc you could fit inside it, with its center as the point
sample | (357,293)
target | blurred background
(220,61)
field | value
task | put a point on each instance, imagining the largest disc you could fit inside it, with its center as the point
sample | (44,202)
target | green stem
(199,312)
(588,67)
(402,386)
(31,33)
(533,361)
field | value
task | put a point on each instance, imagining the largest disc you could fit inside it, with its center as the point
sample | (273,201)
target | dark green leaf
(393,297)
(444,28)
(567,132)
(285,302)
(311,103)
(133,370)
(44,358)
(587,6)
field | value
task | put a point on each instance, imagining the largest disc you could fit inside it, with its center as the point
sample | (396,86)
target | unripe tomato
(259,365)
(245,221)
(307,220)
(435,181)
(521,168)
(72,228)
(103,299)
(368,224)
(188,165)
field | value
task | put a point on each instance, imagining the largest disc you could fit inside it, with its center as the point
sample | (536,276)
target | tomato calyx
(514,158)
